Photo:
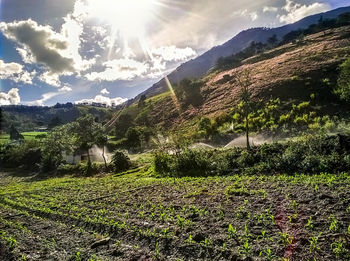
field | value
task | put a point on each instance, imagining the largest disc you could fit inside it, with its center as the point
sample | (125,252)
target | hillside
(290,72)
(199,66)
(29,118)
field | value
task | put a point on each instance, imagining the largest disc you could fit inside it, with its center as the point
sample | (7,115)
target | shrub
(310,155)
(120,161)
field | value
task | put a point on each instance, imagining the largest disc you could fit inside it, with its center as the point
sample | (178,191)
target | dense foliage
(310,154)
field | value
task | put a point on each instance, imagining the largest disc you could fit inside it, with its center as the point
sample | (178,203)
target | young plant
(314,247)
(156,254)
(310,224)
(268,254)
(286,239)
(232,231)
(334,224)
(338,248)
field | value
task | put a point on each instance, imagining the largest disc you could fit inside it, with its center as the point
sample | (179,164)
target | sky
(109,51)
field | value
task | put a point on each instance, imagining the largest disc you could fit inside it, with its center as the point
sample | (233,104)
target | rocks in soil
(101,242)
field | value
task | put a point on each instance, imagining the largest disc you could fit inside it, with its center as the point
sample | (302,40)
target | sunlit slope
(291,72)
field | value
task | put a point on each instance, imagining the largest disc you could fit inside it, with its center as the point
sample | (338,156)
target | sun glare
(129,17)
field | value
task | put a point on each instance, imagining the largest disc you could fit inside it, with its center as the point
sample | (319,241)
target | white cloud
(50,78)
(103,100)
(104,91)
(65,89)
(172,53)
(45,97)
(119,69)
(245,13)
(296,11)
(15,72)
(270,9)
(10,98)
(39,44)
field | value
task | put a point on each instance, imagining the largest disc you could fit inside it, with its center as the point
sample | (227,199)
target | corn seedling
(268,254)
(314,243)
(232,231)
(156,254)
(310,224)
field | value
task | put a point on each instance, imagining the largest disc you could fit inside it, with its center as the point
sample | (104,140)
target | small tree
(343,86)
(87,132)
(101,140)
(54,144)
(244,80)
(206,125)
(272,41)
(142,101)
(56,121)
(121,161)
(14,134)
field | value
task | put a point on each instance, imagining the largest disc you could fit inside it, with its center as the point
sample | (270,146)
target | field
(136,216)
(5,138)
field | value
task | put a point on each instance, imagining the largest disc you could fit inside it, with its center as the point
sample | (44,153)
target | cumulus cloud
(270,9)
(65,89)
(119,69)
(172,53)
(50,78)
(104,91)
(103,100)
(15,72)
(296,11)
(57,52)
(40,44)
(10,98)
(245,13)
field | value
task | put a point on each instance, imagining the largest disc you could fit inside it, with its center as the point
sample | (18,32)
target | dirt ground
(137,217)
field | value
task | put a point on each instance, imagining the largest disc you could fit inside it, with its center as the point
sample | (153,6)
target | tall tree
(87,133)
(244,80)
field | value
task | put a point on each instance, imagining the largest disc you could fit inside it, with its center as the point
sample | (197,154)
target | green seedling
(286,239)
(314,247)
(268,254)
(310,224)
(334,224)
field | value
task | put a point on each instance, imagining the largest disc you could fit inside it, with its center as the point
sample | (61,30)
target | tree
(56,121)
(343,86)
(87,132)
(101,140)
(142,101)
(54,144)
(272,41)
(14,134)
(205,125)
(122,125)
(189,92)
(134,137)
(244,80)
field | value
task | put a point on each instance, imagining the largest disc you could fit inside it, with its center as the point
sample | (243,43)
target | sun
(129,17)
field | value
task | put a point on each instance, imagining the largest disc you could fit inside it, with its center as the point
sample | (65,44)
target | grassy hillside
(291,72)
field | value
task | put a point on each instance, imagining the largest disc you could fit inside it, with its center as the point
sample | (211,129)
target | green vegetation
(183,227)
(310,154)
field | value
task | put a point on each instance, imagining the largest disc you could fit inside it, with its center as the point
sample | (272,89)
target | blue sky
(111,50)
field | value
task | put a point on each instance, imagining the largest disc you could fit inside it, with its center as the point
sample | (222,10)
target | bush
(309,155)
(26,155)
(120,161)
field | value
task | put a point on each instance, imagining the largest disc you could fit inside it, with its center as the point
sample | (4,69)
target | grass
(5,138)
(218,222)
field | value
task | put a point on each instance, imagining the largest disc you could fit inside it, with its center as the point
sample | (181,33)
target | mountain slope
(201,65)
(291,72)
